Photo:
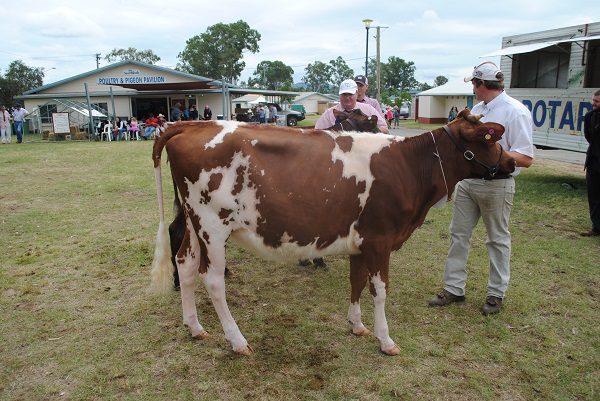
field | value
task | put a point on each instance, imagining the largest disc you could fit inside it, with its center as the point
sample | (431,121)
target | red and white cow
(287,194)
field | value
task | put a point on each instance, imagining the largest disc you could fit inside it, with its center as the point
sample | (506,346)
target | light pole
(367,26)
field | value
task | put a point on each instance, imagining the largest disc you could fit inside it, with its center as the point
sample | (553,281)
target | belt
(498,177)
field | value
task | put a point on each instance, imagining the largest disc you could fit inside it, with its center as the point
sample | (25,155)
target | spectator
(176,112)
(396,116)
(452,114)
(390,116)
(118,128)
(273,114)
(193,113)
(5,129)
(151,124)
(134,128)
(363,84)
(591,131)
(19,115)
(207,113)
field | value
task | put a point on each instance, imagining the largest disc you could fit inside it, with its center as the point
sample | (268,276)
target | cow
(355,120)
(286,194)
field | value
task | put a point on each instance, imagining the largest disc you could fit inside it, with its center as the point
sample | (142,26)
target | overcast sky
(440,37)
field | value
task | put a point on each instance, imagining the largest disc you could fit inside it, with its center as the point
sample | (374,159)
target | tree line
(218,53)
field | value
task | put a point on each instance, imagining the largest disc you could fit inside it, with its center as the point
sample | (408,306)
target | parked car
(404,112)
(291,117)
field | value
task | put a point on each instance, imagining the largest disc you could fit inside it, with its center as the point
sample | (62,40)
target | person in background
(193,113)
(490,199)
(348,102)
(118,129)
(390,116)
(176,112)
(19,115)
(151,124)
(396,116)
(5,130)
(207,113)
(134,128)
(273,114)
(452,114)
(591,131)
(361,97)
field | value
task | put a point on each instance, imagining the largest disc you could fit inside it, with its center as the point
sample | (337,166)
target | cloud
(63,22)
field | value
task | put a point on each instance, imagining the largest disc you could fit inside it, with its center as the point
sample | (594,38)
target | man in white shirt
(490,199)
(348,96)
(19,115)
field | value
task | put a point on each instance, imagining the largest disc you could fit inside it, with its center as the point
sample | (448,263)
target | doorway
(143,106)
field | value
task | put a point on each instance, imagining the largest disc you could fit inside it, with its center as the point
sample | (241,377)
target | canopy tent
(258,100)
(530,47)
(41,118)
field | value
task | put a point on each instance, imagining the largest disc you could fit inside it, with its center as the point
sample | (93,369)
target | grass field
(77,320)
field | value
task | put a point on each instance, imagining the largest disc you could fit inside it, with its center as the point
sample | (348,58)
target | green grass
(77,320)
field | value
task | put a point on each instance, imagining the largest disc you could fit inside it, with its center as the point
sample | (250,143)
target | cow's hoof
(201,335)
(362,332)
(246,351)
(392,350)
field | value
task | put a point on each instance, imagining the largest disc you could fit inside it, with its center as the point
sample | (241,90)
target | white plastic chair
(107,133)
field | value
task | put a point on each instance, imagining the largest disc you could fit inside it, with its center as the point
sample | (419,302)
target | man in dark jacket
(207,113)
(591,131)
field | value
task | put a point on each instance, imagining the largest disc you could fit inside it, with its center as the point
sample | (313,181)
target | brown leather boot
(492,305)
(445,298)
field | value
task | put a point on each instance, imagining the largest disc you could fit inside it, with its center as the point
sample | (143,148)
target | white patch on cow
(245,209)
(356,162)
(254,142)
(228,128)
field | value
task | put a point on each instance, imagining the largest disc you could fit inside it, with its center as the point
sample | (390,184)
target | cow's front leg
(214,280)
(379,291)
(358,281)
(188,262)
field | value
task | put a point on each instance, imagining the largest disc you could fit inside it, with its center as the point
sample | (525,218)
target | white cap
(348,86)
(485,71)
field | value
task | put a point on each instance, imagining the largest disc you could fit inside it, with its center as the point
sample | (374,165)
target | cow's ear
(338,114)
(463,113)
(490,132)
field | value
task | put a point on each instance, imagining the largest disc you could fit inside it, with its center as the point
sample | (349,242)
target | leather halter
(353,126)
(470,156)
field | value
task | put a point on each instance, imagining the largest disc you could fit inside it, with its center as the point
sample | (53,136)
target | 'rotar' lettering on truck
(554,74)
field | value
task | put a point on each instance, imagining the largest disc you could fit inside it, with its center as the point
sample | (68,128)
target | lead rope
(437,154)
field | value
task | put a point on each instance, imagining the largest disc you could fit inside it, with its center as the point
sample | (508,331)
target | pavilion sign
(157,79)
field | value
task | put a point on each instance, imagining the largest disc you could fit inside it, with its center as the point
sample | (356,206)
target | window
(46,113)
(544,68)
(592,67)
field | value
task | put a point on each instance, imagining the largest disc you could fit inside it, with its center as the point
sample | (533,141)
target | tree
(19,78)
(399,74)
(218,52)
(318,77)
(143,56)
(271,75)
(440,80)
(340,71)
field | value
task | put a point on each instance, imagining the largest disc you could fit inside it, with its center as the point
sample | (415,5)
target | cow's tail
(162,267)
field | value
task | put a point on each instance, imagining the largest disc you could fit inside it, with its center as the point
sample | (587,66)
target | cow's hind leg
(214,281)
(358,281)
(188,263)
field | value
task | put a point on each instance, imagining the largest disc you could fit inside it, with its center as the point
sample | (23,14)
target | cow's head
(478,141)
(355,120)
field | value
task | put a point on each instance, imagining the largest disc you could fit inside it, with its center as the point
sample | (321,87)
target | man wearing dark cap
(363,84)
(489,199)
(19,115)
